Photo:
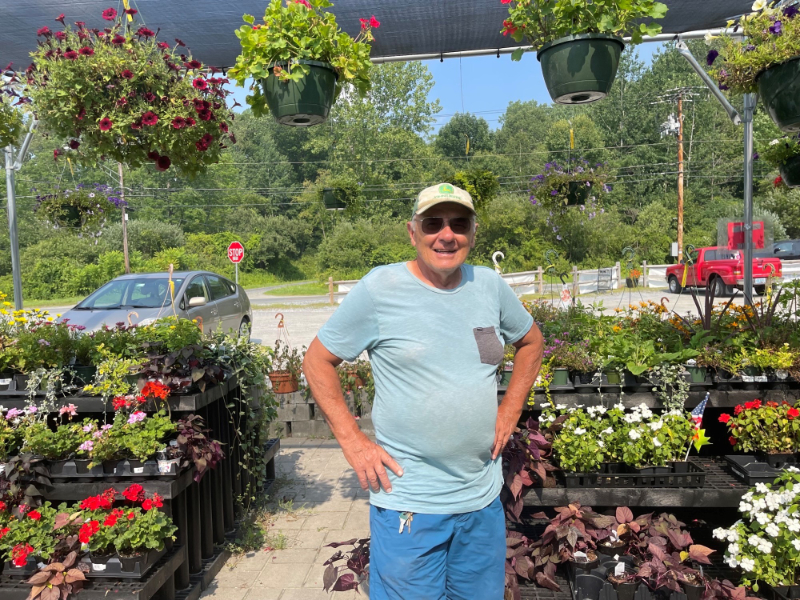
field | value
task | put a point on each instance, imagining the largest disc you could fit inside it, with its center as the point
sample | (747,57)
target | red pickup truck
(723,269)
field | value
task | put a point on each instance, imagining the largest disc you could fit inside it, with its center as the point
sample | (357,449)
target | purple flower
(44,343)
(755,156)
(87,428)
(106,427)
(602,210)
(776,28)
(14,412)
(607,187)
(137,417)
(97,434)
(558,237)
(790,12)
(31,410)
(555,229)
(723,87)
(583,207)
(711,57)
(86,446)
(554,193)
(749,48)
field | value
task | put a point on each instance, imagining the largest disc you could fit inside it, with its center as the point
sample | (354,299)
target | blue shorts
(442,557)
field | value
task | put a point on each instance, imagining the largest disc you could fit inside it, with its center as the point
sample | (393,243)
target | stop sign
(236,252)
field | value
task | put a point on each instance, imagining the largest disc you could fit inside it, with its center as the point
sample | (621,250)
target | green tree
(452,138)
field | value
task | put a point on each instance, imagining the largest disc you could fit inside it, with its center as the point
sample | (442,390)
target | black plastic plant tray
(68,470)
(694,477)
(113,568)
(592,585)
(786,592)
(751,470)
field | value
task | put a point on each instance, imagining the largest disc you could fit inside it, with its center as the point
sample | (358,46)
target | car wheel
(674,286)
(719,287)
(244,329)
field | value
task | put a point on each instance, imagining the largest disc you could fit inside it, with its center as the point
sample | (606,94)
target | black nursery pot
(129,562)
(693,592)
(627,590)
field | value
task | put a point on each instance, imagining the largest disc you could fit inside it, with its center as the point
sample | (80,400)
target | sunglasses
(458,225)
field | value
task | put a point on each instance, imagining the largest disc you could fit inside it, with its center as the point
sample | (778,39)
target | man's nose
(446,234)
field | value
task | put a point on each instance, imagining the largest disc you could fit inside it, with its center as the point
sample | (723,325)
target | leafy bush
(144,235)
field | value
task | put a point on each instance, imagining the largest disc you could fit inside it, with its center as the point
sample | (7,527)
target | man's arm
(527,362)
(366,457)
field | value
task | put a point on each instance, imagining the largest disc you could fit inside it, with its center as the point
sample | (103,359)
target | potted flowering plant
(301,60)
(766,60)
(286,367)
(784,154)
(579,42)
(10,119)
(121,94)
(770,429)
(561,186)
(764,543)
(86,207)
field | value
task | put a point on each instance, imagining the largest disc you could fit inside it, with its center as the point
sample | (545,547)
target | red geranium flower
(44,31)
(35,515)
(87,531)
(126,74)
(373,22)
(131,515)
(149,118)
(509,28)
(792,413)
(724,418)
(2,505)
(154,502)
(86,51)
(163,163)
(154,388)
(110,521)
(732,440)
(118,39)
(105,124)
(109,14)
(20,553)
(192,64)
(739,408)
(134,493)
(3,532)
(200,84)
(772,404)
(778,181)
(364,23)
(145,32)
(754,405)
(178,123)
(74,144)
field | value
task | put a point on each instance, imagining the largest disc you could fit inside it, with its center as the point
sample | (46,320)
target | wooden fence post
(330,290)
(645,276)
(540,280)
(576,289)
(620,283)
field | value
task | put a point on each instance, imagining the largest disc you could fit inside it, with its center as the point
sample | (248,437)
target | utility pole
(680,174)
(124,220)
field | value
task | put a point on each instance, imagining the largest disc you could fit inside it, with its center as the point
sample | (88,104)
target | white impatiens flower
(656,442)
(791,469)
(580,431)
(720,533)
(732,562)
(733,535)
(633,418)
(762,488)
(748,496)
(793,525)
(748,564)
(601,443)
(772,530)
(745,507)
(561,406)
(763,518)
(733,549)
(656,425)
(634,435)
(607,431)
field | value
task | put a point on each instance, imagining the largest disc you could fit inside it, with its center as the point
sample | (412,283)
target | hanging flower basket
(578,192)
(301,103)
(779,90)
(579,69)
(332,199)
(82,207)
(10,118)
(298,83)
(784,154)
(120,94)
(790,172)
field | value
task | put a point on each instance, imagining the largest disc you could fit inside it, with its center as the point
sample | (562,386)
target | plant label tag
(41,565)
(619,570)
(5,382)
(98,567)
(138,470)
(580,555)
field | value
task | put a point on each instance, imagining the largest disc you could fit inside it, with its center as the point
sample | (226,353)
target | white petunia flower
(733,549)
(656,425)
(580,431)
(607,431)
(745,507)
(634,435)
(793,525)
(796,544)
(762,488)
(656,442)
(763,518)
(774,143)
(601,443)
(772,530)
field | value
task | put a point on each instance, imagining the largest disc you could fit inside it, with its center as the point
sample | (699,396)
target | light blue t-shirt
(434,355)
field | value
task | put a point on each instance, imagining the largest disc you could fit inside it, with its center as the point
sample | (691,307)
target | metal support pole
(237,273)
(750,101)
(12,227)
(680,173)
(124,221)
(681,47)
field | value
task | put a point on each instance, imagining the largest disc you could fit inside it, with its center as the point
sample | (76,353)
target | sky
(485,85)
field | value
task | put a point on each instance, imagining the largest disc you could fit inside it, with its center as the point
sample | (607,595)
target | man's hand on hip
(368,459)
(507,420)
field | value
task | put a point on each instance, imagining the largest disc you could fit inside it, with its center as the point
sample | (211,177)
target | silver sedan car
(141,298)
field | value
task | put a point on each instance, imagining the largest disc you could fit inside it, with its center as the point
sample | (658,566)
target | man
(434,329)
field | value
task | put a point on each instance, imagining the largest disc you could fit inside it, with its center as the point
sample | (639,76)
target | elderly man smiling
(434,329)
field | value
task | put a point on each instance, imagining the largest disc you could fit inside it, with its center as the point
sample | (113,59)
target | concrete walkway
(317,500)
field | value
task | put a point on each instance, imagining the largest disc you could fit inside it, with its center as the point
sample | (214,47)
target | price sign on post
(236,254)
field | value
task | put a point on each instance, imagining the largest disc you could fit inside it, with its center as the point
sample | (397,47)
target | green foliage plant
(551,189)
(147,530)
(123,95)
(113,375)
(300,30)
(764,543)
(541,22)
(95,204)
(170,333)
(53,444)
(780,150)
(11,122)
(769,427)
(771,37)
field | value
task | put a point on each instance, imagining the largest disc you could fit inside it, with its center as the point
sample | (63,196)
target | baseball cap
(442,192)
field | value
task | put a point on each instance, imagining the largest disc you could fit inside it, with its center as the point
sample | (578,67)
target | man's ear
(474,234)
(410,229)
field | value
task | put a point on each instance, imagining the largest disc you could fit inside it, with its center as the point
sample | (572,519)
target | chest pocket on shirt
(489,347)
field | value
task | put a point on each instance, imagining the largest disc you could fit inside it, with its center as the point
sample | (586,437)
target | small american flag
(697,413)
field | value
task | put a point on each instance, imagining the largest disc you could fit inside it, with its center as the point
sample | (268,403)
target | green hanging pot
(579,69)
(301,103)
(577,193)
(332,199)
(779,89)
(69,216)
(790,172)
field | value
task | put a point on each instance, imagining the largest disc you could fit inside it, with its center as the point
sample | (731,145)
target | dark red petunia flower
(118,40)
(122,101)
(126,74)
(105,124)
(60,35)
(224,126)
(193,64)
(74,144)
(109,14)
(131,11)
(70,55)
(150,97)
(136,125)
(153,155)
(232,138)
(56,152)
(81,114)
(149,118)
(145,32)
(163,45)
(180,43)
(163,163)
(86,51)
(179,122)
(201,146)
(205,114)
(80,24)
(190,122)
(60,19)
(173,66)
(200,84)
(83,35)
(217,105)
(45,31)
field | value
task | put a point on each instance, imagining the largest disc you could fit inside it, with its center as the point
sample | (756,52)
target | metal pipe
(661,37)
(750,101)
(25,145)
(681,47)
(12,227)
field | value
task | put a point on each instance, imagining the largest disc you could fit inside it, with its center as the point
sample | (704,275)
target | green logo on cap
(446,188)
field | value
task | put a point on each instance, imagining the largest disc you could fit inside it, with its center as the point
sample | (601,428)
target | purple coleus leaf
(711,57)
(345,582)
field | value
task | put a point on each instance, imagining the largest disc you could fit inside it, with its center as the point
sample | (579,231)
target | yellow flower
(759,5)
(58,315)
(6,303)
(172,326)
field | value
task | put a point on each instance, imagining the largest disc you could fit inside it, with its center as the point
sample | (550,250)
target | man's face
(443,251)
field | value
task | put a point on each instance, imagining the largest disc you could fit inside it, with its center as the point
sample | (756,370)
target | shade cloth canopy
(408,27)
